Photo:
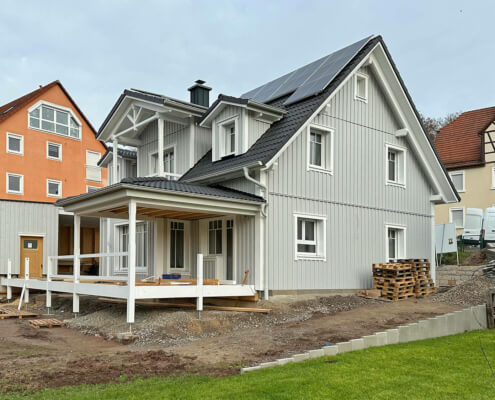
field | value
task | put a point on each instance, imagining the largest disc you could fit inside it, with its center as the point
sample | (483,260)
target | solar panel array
(308,80)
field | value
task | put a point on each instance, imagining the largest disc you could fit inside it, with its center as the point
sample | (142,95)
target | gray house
(304,182)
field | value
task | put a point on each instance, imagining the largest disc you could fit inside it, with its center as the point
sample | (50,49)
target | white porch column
(49,279)
(131,263)
(259,251)
(199,282)
(26,279)
(115,156)
(77,262)
(161,129)
(9,276)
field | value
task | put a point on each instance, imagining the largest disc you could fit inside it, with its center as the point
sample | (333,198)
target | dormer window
(54,120)
(229,138)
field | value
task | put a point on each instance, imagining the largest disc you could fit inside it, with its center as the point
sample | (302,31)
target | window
(15,143)
(93,171)
(493,178)
(228,137)
(168,162)
(320,149)
(54,151)
(30,244)
(310,237)
(90,189)
(361,87)
(55,120)
(53,188)
(141,246)
(15,183)
(459,180)
(395,165)
(215,237)
(457,216)
(177,245)
(395,242)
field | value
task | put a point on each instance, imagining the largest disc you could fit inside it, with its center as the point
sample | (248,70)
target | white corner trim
(322,255)
(16,136)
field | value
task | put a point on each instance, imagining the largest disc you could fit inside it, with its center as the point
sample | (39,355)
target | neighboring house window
(395,165)
(141,246)
(361,87)
(51,119)
(320,149)
(15,183)
(396,242)
(493,178)
(15,143)
(53,188)
(457,216)
(54,151)
(215,237)
(310,237)
(90,189)
(459,180)
(168,162)
(177,245)
(93,171)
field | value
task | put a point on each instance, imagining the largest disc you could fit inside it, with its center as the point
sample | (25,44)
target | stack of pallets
(395,280)
(424,283)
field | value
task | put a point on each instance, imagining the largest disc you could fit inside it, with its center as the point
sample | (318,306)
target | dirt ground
(177,342)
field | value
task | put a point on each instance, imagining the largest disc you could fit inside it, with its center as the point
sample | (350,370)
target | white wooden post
(131,263)
(199,284)
(48,280)
(77,262)
(115,156)
(161,126)
(26,279)
(9,276)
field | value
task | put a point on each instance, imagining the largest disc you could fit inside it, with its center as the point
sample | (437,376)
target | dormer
(237,123)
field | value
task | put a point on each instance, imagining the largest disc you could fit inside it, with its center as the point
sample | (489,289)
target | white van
(489,225)
(473,224)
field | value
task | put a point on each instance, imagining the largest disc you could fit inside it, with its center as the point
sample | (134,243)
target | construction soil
(176,342)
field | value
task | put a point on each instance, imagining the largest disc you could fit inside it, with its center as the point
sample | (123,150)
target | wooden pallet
(10,312)
(46,323)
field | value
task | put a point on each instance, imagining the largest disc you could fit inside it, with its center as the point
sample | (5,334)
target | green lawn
(447,368)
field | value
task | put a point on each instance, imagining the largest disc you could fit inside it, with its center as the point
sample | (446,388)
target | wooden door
(32,247)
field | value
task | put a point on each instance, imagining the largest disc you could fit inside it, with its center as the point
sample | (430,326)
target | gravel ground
(469,293)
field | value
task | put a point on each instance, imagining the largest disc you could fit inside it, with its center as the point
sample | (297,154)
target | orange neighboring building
(48,150)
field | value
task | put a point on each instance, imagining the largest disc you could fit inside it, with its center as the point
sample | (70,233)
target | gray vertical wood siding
(355,199)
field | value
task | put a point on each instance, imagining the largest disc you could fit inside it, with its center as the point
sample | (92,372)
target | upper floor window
(54,120)
(53,188)
(320,149)
(15,143)
(93,171)
(15,183)
(395,165)
(54,151)
(168,162)
(456,216)
(228,137)
(459,180)
(361,87)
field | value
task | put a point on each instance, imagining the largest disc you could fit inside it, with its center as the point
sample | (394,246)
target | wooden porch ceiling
(157,212)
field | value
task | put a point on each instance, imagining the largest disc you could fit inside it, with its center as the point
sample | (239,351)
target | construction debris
(46,323)
(468,293)
(11,312)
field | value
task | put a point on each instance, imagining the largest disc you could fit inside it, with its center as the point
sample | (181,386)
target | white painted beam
(401,132)
(115,161)
(131,263)
(77,262)
(161,129)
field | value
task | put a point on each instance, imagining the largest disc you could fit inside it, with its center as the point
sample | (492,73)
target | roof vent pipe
(200,93)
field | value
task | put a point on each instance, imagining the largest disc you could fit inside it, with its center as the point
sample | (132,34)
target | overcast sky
(445,50)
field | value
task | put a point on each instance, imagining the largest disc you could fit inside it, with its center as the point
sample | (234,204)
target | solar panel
(308,80)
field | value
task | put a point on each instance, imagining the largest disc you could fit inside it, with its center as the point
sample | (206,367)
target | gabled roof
(12,107)
(460,142)
(126,153)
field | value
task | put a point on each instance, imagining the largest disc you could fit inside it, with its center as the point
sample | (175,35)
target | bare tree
(432,125)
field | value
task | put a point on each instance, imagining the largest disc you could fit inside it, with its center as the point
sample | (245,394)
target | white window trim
(91,186)
(221,125)
(7,183)
(17,136)
(463,216)
(116,268)
(62,108)
(493,177)
(48,194)
(366,80)
(321,247)
(328,134)
(187,247)
(95,166)
(463,173)
(404,166)
(59,145)
(165,149)
(402,228)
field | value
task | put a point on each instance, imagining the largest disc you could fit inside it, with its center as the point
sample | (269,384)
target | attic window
(54,120)
(228,131)
(361,87)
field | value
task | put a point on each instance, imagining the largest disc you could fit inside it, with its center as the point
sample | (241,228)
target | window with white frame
(141,246)
(310,237)
(215,237)
(459,180)
(395,165)
(361,87)
(54,151)
(55,120)
(177,245)
(228,137)
(320,149)
(15,143)
(396,242)
(15,183)
(53,188)
(90,189)
(93,171)
(456,216)
(168,162)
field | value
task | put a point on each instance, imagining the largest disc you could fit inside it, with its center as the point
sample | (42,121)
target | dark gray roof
(265,148)
(126,153)
(174,186)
